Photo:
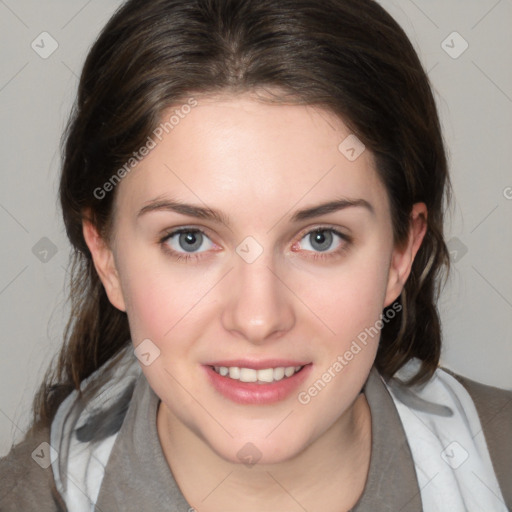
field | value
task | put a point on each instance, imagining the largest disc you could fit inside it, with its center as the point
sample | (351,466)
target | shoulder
(26,481)
(494,407)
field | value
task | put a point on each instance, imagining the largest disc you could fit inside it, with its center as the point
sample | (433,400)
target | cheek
(349,298)
(160,297)
(350,303)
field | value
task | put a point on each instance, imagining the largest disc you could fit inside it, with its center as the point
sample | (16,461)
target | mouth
(263,376)
(265,383)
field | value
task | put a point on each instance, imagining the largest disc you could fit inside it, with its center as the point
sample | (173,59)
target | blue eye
(190,243)
(323,239)
(187,241)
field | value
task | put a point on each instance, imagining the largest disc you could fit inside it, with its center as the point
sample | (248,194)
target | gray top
(137,475)
(138,452)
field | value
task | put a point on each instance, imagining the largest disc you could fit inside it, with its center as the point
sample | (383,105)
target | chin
(259,450)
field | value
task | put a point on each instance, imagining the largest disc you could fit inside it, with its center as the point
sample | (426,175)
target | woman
(255,193)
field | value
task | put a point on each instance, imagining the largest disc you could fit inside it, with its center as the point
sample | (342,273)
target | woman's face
(269,272)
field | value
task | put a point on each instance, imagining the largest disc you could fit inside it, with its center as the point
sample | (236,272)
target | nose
(258,305)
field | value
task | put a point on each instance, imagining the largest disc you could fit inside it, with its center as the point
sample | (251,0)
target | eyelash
(178,256)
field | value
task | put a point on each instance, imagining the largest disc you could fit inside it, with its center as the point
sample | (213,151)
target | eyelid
(322,227)
(168,233)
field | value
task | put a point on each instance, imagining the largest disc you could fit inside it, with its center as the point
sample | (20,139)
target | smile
(263,376)
(272,382)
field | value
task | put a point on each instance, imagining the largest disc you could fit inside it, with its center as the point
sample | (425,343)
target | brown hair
(348,56)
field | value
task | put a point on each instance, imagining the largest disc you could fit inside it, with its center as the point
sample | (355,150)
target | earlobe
(403,258)
(104,263)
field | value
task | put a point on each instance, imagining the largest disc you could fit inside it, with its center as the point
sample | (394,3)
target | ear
(103,259)
(403,258)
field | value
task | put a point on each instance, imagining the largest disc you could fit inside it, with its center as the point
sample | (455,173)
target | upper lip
(257,365)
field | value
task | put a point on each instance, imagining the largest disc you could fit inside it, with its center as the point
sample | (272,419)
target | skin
(257,163)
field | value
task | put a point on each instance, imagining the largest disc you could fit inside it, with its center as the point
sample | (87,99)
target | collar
(153,487)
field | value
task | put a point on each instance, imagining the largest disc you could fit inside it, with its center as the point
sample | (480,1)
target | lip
(257,365)
(251,392)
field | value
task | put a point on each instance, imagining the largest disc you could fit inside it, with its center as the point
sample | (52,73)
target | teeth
(250,375)
(289,371)
(234,373)
(278,373)
(265,375)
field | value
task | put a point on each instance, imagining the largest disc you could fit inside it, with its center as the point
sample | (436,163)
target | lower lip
(254,393)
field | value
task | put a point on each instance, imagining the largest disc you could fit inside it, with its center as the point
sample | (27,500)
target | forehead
(238,150)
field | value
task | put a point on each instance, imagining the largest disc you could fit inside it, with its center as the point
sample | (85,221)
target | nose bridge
(259,304)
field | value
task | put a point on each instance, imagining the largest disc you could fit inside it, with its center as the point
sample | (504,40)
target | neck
(211,483)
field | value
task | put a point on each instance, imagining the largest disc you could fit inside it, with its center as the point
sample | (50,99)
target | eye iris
(323,238)
(190,241)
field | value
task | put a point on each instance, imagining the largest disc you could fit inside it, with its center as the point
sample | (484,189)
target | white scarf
(453,466)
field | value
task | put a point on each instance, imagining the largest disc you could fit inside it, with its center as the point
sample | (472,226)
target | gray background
(474,94)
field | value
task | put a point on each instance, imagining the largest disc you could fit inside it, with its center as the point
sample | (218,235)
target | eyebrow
(202,212)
